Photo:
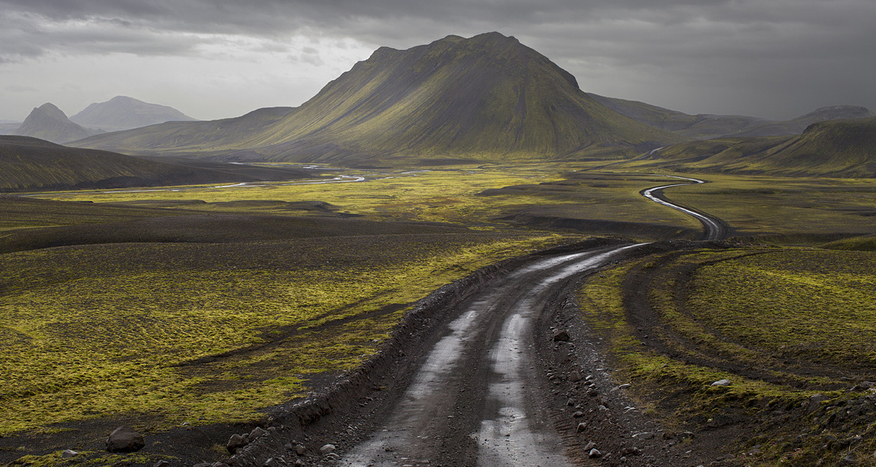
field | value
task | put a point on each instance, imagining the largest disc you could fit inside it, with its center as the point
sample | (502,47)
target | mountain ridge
(708,126)
(486,97)
(28,164)
(835,148)
(125,113)
(50,123)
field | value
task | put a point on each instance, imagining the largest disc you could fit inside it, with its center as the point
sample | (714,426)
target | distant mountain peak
(124,113)
(51,111)
(50,123)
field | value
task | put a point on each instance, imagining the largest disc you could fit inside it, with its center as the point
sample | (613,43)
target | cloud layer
(773,59)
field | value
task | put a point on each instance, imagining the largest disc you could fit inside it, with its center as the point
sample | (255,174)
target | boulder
(124,439)
(236,442)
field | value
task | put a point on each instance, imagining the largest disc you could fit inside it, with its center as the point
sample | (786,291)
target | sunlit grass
(107,330)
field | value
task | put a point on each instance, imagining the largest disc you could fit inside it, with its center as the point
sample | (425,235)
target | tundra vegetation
(207,304)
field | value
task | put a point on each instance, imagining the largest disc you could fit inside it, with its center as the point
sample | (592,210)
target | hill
(836,148)
(707,126)
(797,125)
(51,123)
(124,113)
(33,164)
(487,97)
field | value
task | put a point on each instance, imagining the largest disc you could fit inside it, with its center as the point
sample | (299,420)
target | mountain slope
(797,125)
(484,97)
(32,164)
(124,113)
(50,123)
(837,148)
(706,126)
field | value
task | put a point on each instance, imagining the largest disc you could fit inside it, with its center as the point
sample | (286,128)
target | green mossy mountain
(836,148)
(31,164)
(487,97)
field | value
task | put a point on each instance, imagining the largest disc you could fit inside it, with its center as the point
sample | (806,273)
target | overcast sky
(222,58)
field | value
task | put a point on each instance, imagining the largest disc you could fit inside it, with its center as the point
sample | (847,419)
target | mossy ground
(803,318)
(215,324)
(94,331)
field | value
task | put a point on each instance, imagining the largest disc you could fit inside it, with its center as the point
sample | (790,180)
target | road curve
(478,398)
(713,229)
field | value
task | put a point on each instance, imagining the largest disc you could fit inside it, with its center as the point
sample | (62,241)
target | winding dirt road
(479,398)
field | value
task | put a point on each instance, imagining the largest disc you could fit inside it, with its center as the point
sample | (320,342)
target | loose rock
(69,453)
(256,433)
(581,427)
(594,453)
(721,382)
(561,336)
(300,449)
(236,442)
(124,439)
(327,449)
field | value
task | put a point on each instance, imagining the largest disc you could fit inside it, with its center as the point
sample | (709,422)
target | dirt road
(479,398)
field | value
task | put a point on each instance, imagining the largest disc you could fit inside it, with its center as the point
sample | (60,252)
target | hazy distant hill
(8,126)
(50,123)
(706,126)
(797,125)
(486,97)
(32,164)
(124,113)
(837,148)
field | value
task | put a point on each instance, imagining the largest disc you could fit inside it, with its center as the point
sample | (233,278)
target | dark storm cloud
(708,47)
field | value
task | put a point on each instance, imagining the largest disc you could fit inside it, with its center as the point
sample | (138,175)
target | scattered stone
(578,414)
(256,433)
(299,462)
(625,386)
(594,453)
(300,449)
(69,453)
(161,463)
(124,439)
(561,336)
(721,382)
(589,446)
(327,449)
(275,462)
(581,427)
(570,403)
(632,451)
(236,442)
(644,435)
(575,376)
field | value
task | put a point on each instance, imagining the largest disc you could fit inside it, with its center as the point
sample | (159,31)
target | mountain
(707,126)
(487,97)
(835,148)
(33,164)
(124,113)
(797,125)
(50,123)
